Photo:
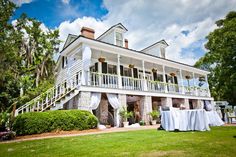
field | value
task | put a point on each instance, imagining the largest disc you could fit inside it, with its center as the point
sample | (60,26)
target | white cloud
(149,21)
(20,2)
(74,27)
(65,1)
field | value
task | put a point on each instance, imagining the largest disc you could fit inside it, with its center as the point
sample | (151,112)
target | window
(127,72)
(112,69)
(119,39)
(64,61)
(92,69)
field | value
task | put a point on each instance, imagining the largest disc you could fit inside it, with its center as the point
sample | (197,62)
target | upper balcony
(116,71)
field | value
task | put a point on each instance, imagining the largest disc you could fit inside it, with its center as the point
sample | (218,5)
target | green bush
(40,122)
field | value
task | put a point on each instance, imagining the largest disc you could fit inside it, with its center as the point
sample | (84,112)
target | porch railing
(189,90)
(202,92)
(132,83)
(156,86)
(129,83)
(103,80)
(173,88)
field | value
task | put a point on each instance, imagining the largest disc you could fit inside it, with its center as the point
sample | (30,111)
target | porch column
(164,78)
(182,81)
(209,92)
(144,77)
(194,84)
(84,101)
(99,73)
(118,72)
(186,103)
(166,102)
(146,108)
(123,103)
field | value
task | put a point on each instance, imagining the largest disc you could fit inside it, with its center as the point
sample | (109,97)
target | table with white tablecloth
(214,118)
(185,120)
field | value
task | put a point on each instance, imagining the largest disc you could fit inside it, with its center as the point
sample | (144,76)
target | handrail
(51,95)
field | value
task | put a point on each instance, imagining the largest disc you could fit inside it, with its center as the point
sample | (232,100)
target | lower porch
(107,106)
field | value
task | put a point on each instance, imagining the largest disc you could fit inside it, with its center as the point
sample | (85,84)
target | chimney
(126,43)
(87,32)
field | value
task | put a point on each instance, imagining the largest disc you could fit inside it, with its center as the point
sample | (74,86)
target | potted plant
(125,115)
(154,115)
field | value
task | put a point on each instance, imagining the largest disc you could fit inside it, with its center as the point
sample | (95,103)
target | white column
(84,101)
(186,103)
(209,93)
(123,103)
(100,72)
(164,78)
(144,77)
(118,72)
(194,84)
(146,108)
(182,81)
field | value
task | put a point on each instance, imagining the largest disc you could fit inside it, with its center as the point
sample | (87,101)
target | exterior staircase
(55,97)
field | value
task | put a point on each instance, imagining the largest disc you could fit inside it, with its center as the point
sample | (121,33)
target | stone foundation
(84,101)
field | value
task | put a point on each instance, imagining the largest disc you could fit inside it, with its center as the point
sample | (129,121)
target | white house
(103,75)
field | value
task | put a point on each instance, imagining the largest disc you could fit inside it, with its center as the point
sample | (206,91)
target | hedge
(40,122)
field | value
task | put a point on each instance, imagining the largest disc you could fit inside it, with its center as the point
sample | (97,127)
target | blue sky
(184,24)
(53,12)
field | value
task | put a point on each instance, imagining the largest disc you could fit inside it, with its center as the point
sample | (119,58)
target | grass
(220,141)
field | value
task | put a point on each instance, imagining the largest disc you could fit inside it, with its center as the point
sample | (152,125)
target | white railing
(103,80)
(51,96)
(202,92)
(132,83)
(189,90)
(173,88)
(156,86)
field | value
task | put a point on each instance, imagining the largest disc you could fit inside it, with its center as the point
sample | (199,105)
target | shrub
(40,122)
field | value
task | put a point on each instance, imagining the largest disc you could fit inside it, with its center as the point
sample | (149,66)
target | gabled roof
(156,43)
(70,38)
(80,36)
(111,28)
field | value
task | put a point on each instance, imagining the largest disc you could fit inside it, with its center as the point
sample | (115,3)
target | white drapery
(113,100)
(86,58)
(95,100)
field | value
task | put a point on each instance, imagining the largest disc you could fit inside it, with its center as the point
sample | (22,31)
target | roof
(68,39)
(119,24)
(133,51)
(159,42)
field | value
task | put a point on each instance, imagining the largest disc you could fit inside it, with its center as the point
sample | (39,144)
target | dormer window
(119,39)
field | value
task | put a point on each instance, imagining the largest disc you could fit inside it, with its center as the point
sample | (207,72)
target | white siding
(109,38)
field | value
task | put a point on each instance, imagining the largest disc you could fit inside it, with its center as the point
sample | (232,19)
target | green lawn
(220,141)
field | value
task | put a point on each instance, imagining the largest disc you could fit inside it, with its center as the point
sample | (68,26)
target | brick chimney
(126,43)
(87,32)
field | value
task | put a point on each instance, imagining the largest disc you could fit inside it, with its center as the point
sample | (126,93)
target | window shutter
(155,76)
(121,70)
(135,72)
(176,80)
(104,67)
(96,67)
(62,64)
(166,78)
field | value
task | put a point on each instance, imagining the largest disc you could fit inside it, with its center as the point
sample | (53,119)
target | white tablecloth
(214,118)
(185,120)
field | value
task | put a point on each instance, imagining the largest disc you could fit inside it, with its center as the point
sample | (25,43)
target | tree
(220,59)
(8,58)
(26,56)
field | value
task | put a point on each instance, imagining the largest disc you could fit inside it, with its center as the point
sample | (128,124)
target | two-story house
(103,75)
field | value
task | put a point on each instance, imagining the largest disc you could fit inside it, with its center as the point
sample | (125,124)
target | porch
(114,71)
